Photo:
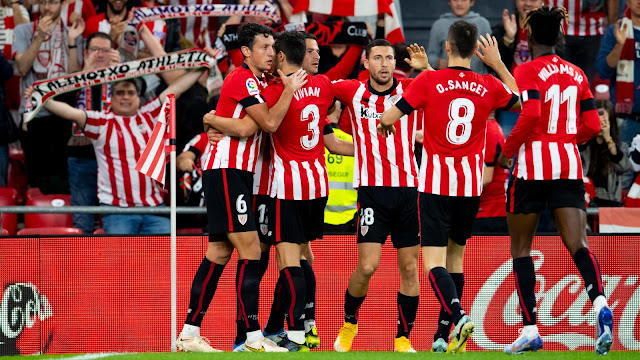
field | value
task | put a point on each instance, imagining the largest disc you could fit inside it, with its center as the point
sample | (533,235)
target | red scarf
(624,74)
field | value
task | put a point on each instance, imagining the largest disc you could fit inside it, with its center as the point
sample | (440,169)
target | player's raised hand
(490,54)
(294,81)
(418,57)
(505,162)
(385,130)
(214,135)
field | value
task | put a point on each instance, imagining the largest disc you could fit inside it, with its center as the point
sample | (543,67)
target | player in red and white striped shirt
(558,111)
(456,103)
(119,136)
(385,173)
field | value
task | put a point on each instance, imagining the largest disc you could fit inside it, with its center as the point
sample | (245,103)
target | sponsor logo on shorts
(242,218)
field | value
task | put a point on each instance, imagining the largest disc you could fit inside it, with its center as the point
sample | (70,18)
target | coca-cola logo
(21,306)
(560,305)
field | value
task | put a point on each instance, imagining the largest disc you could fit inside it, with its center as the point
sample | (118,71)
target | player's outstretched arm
(388,119)
(270,118)
(418,59)
(62,110)
(491,57)
(230,126)
(338,146)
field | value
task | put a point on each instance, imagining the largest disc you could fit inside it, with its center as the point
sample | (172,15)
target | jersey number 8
(456,120)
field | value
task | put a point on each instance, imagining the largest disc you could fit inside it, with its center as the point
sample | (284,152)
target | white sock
(254,336)
(530,331)
(599,303)
(308,324)
(297,336)
(189,331)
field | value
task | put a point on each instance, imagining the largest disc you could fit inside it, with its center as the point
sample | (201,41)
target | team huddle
(266,182)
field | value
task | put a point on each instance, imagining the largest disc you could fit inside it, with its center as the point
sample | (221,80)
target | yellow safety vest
(343,198)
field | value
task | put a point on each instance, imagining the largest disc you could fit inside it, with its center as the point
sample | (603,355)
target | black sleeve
(513,101)
(587,104)
(250,101)
(194,150)
(495,158)
(404,106)
(327,130)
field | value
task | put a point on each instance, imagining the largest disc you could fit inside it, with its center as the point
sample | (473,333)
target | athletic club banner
(57,299)
(147,14)
(353,33)
(46,89)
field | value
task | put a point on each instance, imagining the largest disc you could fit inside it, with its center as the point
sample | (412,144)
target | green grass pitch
(482,355)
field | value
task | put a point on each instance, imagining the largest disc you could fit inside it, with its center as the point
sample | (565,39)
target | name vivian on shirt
(470,86)
(551,69)
(306,91)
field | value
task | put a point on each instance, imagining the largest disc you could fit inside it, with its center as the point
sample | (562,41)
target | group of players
(266,182)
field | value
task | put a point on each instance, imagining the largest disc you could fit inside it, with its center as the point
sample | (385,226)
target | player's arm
(487,177)
(231,126)
(590,125)
(270,118)
(491,57)
(186,161)
(418,59)
(335,145)
(389,118)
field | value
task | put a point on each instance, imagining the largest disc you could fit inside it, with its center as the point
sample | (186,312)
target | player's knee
(409,271)
(219,254)
(367,270)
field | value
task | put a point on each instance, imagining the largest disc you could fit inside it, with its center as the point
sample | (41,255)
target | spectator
(7,126)
(126,124)
(513,37)
(460,10)
(42,53)
(608,65)
(12,15)
(584,31)
(83,168)
(605,158)
(112,21)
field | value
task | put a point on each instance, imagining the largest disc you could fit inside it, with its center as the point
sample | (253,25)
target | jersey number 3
(310,114)
(461,111)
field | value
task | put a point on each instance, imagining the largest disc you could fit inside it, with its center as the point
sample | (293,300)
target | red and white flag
(153,160)
(392,29)
(619,220)
(633,197)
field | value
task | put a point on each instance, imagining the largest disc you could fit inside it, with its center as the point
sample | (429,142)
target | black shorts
(388,210)
(229,197)
(296,221)
(532,196)
(261,211)
(447,217)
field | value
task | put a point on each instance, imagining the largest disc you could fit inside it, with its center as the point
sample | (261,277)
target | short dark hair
(132,81)
(377,42)
(293,45)
(308,35)
(401,54)
(544,24)
(247,33)
(98,35)
(463,38)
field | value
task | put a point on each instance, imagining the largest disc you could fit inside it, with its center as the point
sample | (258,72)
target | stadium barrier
(106,293)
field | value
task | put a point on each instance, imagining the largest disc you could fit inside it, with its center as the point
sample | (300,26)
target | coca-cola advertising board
(105,294)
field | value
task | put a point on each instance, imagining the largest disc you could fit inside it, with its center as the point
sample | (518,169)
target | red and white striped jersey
(379,162)
(558,111)
(586,18)
(195,28)
(299,171)
(457,103)
(118,142)
(100,23)
(262,177)
(83,8)
(241,89)
(7,24)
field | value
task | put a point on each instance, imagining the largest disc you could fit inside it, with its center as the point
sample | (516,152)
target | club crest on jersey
(252,87)
(264,229)
(242,218)
(364,229)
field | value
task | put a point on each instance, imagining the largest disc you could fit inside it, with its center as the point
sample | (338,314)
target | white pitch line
(87,356)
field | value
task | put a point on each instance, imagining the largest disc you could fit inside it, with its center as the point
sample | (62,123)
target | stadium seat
(49,230)
(17,173)
(33,192)
(48,220)
(5,232)
(8,198)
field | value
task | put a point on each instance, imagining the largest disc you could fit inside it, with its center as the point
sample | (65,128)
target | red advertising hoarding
(95,294)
